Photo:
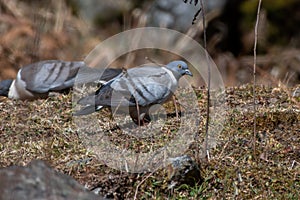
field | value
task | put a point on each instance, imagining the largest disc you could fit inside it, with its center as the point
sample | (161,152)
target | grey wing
(56,75)
(145,86)
(51,75)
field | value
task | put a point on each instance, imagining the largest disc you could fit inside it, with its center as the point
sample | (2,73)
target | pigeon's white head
(179,67)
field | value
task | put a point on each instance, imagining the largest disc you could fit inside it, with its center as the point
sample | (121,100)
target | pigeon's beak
(188,72)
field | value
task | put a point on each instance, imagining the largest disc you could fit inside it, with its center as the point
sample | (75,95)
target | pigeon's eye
(179,66)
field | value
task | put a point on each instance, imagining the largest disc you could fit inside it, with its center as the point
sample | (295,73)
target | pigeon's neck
(5,87)
(174,75)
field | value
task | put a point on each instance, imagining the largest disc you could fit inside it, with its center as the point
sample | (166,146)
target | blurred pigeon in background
(136,90)
(36,80)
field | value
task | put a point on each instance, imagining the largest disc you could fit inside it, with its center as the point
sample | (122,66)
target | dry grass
(44,130)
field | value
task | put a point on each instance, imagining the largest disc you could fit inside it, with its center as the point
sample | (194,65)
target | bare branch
(254,75)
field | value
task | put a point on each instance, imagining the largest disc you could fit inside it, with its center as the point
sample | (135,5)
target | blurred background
(34,30)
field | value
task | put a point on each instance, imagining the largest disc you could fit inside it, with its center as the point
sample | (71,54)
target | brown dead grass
(44,130)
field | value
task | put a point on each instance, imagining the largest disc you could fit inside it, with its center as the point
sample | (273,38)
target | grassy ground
(44,129)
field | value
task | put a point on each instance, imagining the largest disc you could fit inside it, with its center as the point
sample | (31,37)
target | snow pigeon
(36,80)
(136,89)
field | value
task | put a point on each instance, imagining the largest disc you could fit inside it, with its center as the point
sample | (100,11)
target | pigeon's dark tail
(4,87)
(87,110)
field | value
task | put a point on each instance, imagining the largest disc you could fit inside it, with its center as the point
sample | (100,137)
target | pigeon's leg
(143,118)
(176,108)
(139,117)
(147,118)
(134,112)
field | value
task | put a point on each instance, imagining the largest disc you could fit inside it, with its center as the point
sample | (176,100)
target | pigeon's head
(179,67)
(4,87)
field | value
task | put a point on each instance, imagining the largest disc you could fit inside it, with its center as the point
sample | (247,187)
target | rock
(173,14)
(102,11)
(183,170)
(39,181)
(176,14)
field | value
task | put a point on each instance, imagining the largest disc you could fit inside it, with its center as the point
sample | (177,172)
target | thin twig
(137,187)
(208,82)
(154,62)
(138,111)
(176,108)
(254,76)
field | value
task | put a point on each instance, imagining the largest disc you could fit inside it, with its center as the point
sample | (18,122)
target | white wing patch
(18,90)
(13,93)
